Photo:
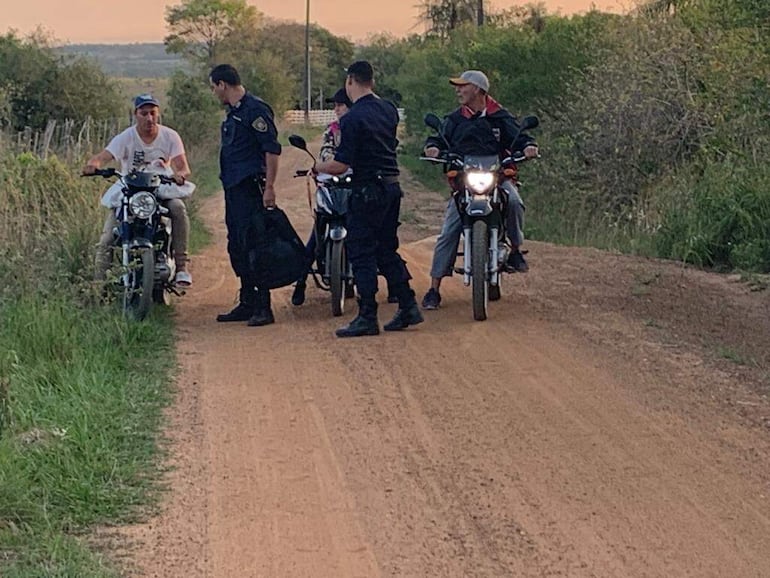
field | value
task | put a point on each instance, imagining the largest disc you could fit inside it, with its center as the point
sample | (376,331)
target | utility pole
(480,13)
(307,62)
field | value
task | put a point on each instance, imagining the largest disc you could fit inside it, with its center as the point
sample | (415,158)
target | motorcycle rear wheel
(479,266)
(137,293)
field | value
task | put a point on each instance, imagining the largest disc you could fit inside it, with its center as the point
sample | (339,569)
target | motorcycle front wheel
(337,269)
(137,291)
(479,265)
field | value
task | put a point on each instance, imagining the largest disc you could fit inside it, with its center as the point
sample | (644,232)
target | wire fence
(68,140)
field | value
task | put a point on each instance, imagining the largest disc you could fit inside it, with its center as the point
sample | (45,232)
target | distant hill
(146,60)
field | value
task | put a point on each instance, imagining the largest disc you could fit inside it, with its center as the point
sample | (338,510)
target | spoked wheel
(479,264)
(137,291)
(337,274)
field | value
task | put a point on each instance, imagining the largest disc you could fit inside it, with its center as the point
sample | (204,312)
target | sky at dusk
(76,21)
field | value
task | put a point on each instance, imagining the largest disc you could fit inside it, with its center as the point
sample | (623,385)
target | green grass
(429,175)
(81,389)
(736,357)
(309,133)
(82,415)
(204,163)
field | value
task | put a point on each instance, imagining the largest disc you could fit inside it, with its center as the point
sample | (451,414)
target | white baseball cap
(475,77)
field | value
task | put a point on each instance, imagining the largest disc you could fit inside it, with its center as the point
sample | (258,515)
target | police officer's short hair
(362,72)
(225,73)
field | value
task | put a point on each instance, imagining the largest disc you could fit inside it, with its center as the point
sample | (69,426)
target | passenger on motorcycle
(479,126)
(330,142)
(147,146)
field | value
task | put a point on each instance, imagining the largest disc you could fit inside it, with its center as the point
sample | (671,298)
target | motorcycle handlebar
(301,173)
(108,173)
(104,173)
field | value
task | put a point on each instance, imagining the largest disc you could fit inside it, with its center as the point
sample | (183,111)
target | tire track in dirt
(528,445)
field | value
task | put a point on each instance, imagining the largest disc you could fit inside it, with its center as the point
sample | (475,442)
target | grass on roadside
(82,415)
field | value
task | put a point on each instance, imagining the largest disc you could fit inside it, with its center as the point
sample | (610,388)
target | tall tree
(198,26)
(443,16)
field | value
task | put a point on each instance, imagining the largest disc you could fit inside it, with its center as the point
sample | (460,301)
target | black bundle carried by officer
(248,162)
(368,146)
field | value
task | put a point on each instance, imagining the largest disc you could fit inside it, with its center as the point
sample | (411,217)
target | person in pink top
(329,143)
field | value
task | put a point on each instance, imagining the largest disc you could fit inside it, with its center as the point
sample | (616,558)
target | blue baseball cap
(143,99)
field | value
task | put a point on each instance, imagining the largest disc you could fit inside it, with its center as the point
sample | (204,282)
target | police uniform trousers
(372,241)
(243,202)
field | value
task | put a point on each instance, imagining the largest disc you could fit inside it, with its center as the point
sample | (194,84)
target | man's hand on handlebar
(531,152)
(431,152)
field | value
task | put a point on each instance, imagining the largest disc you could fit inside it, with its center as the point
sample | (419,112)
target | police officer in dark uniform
(368,146)
(248,161)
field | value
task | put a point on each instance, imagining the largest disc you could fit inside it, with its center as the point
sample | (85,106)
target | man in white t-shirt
(148,146)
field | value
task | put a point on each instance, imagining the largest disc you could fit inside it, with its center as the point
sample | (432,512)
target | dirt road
(610,419)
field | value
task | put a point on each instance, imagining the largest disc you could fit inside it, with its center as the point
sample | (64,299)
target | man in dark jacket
(479,126)
(248,162)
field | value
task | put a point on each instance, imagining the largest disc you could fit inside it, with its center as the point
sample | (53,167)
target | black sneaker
(298,297)
(241,312)
(516,262)
(432,300)
(261,317)
(404,318)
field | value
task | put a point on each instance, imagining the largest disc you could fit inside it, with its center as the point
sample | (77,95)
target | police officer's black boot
(298,296)
(408,312)
(365,323)
(245,308)
(263,314)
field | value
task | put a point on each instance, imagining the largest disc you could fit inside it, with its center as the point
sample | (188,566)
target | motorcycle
(330,269)
(482,204)
(143,235)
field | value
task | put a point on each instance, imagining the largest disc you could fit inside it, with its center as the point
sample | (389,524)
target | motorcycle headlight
(143,205)
(479,181)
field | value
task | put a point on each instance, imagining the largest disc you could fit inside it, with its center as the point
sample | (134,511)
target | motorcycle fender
(479,208)
(338,233)
(140,243)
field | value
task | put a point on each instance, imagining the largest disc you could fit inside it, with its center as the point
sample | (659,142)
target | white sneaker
(183,279)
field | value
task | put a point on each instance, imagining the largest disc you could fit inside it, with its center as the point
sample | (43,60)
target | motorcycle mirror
(432,121)
(298,142)
(529,122)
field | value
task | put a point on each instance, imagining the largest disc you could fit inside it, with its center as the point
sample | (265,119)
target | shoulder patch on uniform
(260,124)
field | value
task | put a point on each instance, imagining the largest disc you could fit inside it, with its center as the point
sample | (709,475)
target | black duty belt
(378,180)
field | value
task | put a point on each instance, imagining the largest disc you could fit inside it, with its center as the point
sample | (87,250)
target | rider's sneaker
(517,263)
(261,317)
(298,297)
(432,299)
(183,279)
(404,318)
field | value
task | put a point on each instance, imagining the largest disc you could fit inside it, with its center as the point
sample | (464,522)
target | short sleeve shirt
(368,144)
(248,132)
(135,154)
